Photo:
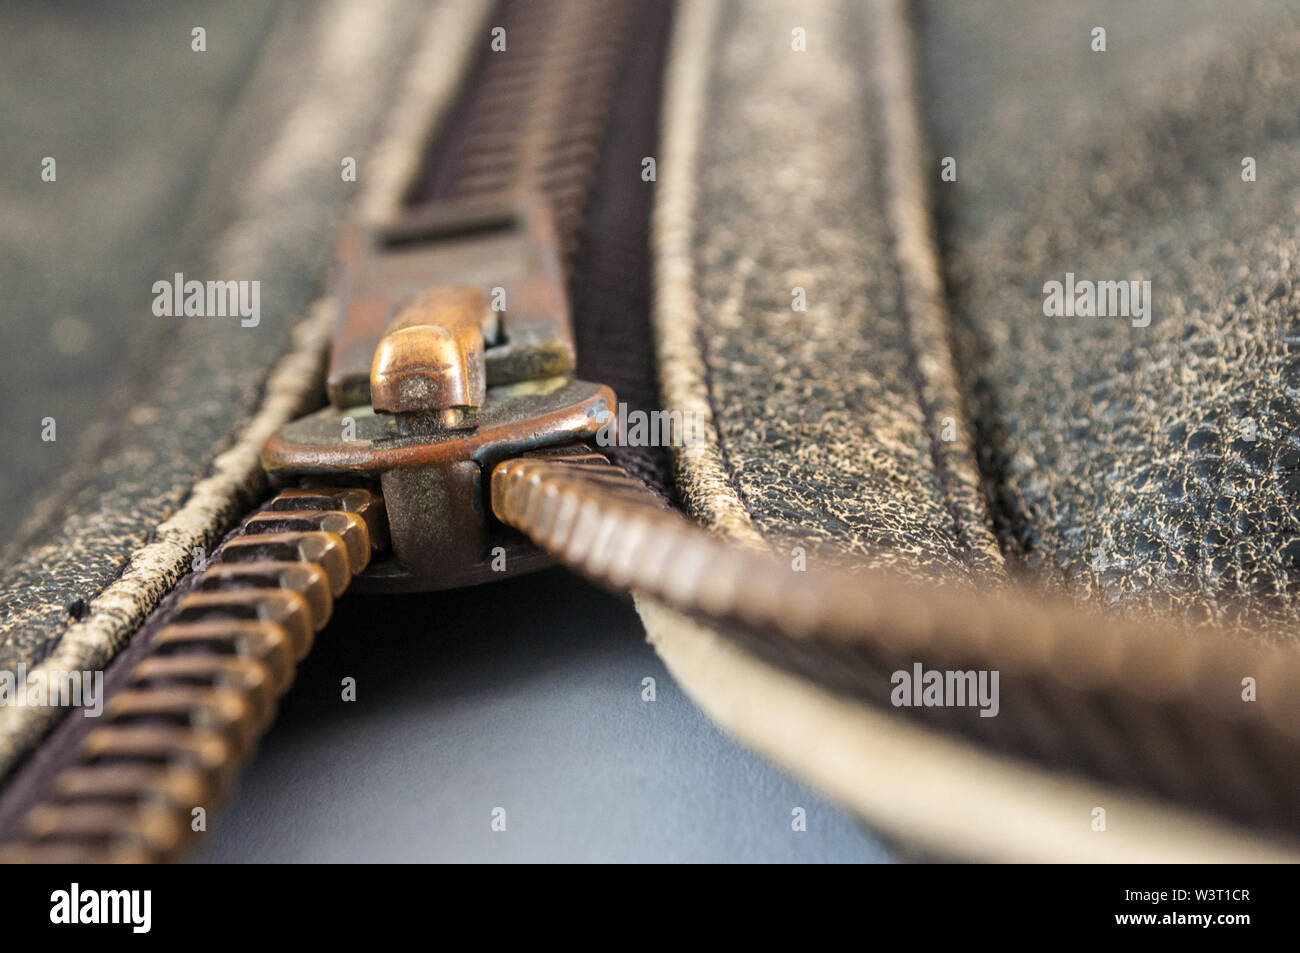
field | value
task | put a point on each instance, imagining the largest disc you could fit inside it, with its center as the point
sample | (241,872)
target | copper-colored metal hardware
(850,631)
(433,480)
(163,744)
(222,711)
(473,368)
(264,642)
(193,708)
(430,359)
(282,607)
(250,679)
(348,527)
(175,738)
(151,826)
(502,248)
(306,579)
(325,550)
(54,852)
(175,784)
(369,506)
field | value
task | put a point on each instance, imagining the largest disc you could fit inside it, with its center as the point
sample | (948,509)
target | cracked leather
(1141,468)
(829,403)
(1116,459)
(1099,460)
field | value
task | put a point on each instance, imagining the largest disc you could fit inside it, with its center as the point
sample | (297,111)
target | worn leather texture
(1141,468)
(172,459)
(1086,455)
(875,426)
(771,193)
(812,309)
(82,88)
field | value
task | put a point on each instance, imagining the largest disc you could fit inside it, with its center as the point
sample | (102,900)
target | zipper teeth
(531,117)
(195,705)
(1143,705)
(529,120)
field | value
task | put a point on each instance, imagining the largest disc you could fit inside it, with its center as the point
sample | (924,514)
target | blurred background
(132,118)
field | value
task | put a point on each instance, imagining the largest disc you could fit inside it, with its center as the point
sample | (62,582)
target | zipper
(457,448)
(191,711)
(534,111)
(495,217)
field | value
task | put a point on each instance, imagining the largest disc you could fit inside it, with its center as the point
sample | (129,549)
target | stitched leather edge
(921,299)
(703,478)
(935,791)
(748,697)
(154,568)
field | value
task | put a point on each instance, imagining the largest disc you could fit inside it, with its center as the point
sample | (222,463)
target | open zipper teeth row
(194,707)
(1136,703)
(173,739)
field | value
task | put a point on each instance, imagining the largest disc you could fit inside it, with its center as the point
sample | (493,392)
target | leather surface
(830,420)
(80,253)
(710,322)
(1114,457)
(1140,468)
(744,119)
(266,209)
(79,503)
(1111,457)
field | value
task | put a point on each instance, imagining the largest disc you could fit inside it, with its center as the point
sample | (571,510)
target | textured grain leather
(1114,455)
(1141,468)
(838,424)
(177,460)
(772,206)
(855,427)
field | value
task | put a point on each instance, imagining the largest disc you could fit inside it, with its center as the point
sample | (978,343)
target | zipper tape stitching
(704,481)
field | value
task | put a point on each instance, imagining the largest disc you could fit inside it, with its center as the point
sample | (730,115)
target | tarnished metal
(194,707)
(474,368)
(503,248)
(433,477)
(454,321)
(362,502)
(430,359)
(849,632)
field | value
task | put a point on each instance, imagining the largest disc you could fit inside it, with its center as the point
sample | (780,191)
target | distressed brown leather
(875,427)
(1113,455)
(802,171)
(267,209)
(1144,469)
(824,359)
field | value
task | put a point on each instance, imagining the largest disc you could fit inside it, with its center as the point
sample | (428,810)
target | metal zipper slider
(452,386)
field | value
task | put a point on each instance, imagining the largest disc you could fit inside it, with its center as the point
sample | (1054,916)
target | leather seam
(881,146)
(728,469)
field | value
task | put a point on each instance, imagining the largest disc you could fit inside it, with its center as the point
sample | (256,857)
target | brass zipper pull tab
(432,384)
(509,253)
(430,359)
